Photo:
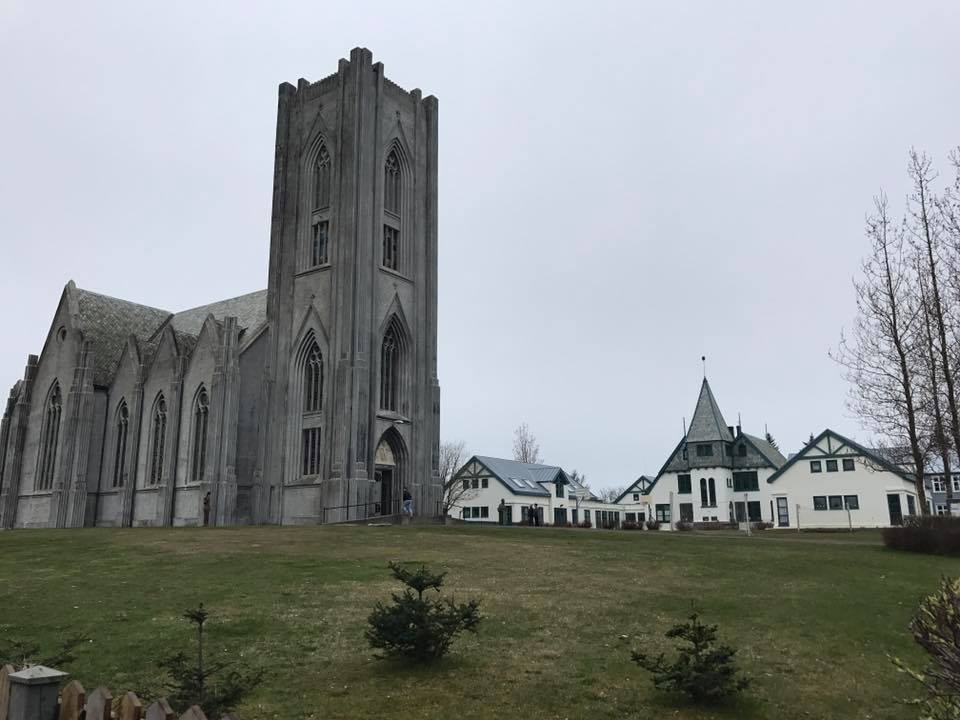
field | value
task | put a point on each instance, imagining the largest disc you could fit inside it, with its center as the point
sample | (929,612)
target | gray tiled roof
(250,311)
(775,457)
(707,423)
(107,322)
(522,478)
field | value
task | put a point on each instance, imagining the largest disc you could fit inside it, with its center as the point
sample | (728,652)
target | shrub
(684,525)
(630,525)
(934,534)
(22,654)
(653,524)
(936,628)
(761,525)
(218,687)
(418,628)
(703,670)
(585,524)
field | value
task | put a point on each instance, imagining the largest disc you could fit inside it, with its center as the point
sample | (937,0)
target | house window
(713,493)
(684,453)
(321,180)
(475,484)
(663,513)
(49,439)
(466,484)
(848,465)
(911,505)
(746,482)
(705,450)
(941,509)
(938,485)
(683,485)
(390,359)
(815,466)
(636,497)
(686,512)
(320,244)
(484,512)
(836,502)
(201,410)
(586,515)
(831,465)
(820,502)
(158,439)
(753,511)
(783,512)
(704,497)
(631,517)
(558,489)
(956,483)
(484,482)
(311,451)
(851,502)
(120,444)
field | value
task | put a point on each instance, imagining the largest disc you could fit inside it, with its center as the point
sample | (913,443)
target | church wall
(57,362)
(252,360)
(187,494)
(95,453)
(110,505)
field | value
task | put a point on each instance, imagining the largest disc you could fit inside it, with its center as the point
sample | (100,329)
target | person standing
(407,503)
(502,511)
(206,509)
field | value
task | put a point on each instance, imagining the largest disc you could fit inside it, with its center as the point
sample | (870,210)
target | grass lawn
(814,616)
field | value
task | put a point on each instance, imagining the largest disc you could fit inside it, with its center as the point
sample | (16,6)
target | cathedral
(315,400)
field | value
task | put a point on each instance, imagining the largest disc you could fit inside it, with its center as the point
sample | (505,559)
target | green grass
(814,616)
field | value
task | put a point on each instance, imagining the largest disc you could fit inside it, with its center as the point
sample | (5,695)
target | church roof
(707,423)
(523,478)
(107,323)
(775,457)
(250,311)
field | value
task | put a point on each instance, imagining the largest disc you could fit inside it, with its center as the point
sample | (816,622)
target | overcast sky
(623,188)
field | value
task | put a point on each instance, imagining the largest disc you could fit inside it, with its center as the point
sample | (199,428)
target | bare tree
(880,357)
(609,495)
(580,479)
(451,458)
(526,449)
(926,230)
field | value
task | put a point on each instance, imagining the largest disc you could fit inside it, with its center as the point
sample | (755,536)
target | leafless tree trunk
(451,458)
(881,356)
(926,232)
(526,449)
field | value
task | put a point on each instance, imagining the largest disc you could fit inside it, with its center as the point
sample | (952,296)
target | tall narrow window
(704,500)
(320,243)
(390,369)
(392,210)
(391,184)
(201,409)
(312,368)
(313,380)
(49,440)
(311,451)
(120,444)
(321,180)
(713,493)
(158,439)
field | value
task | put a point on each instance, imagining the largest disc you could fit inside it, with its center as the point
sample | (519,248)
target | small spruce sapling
(416,627)
(703,669)
(217,687)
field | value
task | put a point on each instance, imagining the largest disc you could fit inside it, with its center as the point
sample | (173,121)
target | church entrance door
(384,478)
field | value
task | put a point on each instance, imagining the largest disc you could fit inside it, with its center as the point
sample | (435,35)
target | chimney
(739,431)
(730,430)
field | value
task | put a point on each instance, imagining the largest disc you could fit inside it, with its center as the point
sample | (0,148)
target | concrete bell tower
(350,389)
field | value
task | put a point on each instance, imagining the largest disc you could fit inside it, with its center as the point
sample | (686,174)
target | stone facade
(316,400)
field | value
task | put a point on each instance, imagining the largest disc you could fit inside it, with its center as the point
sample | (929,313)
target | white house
(836,482)
(716,473)
(494,487)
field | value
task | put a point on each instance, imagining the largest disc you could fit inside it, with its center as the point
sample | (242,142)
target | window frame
(819,503)
(847,505)
(816,466)
(832,466)
(683,480)
(849,465)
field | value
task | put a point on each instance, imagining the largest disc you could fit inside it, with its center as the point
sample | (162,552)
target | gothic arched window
(158,439)
(311,366)
(321,179)
(121,421)
(391,361)
(392,204)
(201,409)
(49,439)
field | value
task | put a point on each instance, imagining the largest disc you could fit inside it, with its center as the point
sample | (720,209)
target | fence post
(34,692)
(160,710)
(73,698)
(5,672)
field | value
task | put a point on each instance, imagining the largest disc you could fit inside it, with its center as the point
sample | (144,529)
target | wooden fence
(22,698)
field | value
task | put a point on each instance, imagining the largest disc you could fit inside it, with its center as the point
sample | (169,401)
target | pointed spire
(707,422)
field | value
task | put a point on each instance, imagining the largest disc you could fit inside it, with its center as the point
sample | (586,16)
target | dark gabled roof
(522,478)
(707,423)
(630,488)
(250,311)
(774,456)
(872,455)
(107,323)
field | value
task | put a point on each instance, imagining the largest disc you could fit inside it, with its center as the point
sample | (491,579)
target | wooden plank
(5,672)
(99,705)
(194,713)
(160,710)
(73,698)
(130,707)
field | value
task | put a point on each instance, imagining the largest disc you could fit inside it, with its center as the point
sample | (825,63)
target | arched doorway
(389,463)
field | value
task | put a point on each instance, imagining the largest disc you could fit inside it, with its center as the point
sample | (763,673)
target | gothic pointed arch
(396,193)
(157,440)
(121,426)
(320,179)
(49,438)
(391,461)
(198,434)
(394,364)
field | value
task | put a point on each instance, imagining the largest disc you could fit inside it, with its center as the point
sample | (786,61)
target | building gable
(830,445)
